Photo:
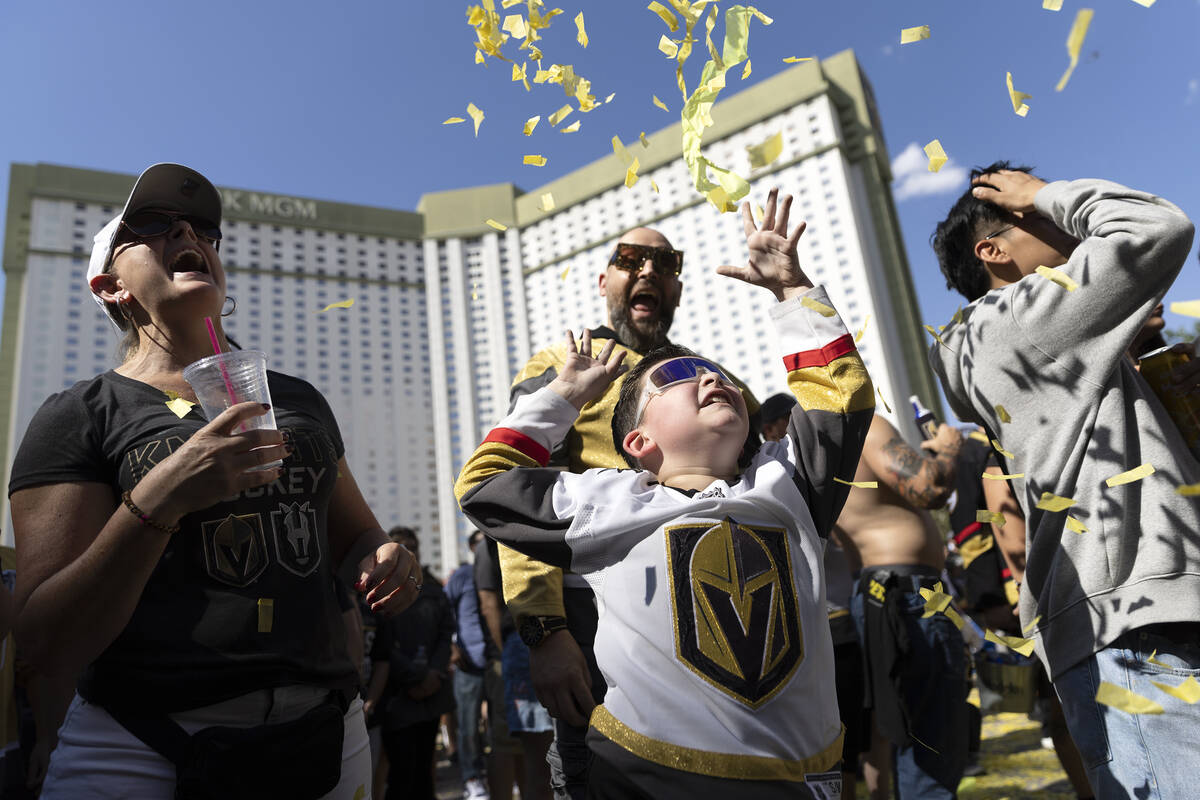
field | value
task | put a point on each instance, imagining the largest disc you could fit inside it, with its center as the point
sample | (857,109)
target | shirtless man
(888,531)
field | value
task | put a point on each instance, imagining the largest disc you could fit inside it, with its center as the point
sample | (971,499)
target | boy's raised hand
(774,263)
(584,378)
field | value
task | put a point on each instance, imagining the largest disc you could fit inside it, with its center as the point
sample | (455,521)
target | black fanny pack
(301,759)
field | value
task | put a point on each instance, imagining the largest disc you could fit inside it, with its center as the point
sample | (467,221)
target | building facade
(447,309)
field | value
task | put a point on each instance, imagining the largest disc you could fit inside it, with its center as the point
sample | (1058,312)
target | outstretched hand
(774,263)
(584,378)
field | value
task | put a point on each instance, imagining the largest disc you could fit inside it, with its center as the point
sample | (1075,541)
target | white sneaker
(475,790)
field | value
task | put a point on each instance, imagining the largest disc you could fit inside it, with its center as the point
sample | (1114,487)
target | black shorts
(851,694)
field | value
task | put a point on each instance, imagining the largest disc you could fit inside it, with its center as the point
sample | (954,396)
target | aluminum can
(1183,407)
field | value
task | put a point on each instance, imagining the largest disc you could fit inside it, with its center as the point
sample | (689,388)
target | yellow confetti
(993,517)
(933,332)
(758,213)
(506,4)
(361,792)
(1135,474)
(858,336)
(994,477)
(796,59)
(817,306)
(746,70)
(1079,29)
(665,14)
(179,407)
(1002,413)
(476,114)
(453,120)
(1188,308)
(339,304)
(668,47)
(978,436)
(953,616)
(936,155)
(1145,3)
(883,399)
(497,225)
(1156,662)
(266,614)
(1001,450)
(858,484)
(1020,107)
(763,154)
(534,160)
(1017,643)
(547,203)
(609,99)
(631,176)
(910,35)
(660,103)
(1125,700)
(514,24)
(620,152)
(1032,624)
(1052,502)
(518,74)
(530,124)
(1052,5)
(560,115)
(654,186)
(566,270)
(581,36)
(1057,276)
(1188,691)
(642,138)
(1188,490)
(936,600)
(572,128)
(1075,526)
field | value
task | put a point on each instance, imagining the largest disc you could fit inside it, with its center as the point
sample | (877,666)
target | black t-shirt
(487,577)
(243,596)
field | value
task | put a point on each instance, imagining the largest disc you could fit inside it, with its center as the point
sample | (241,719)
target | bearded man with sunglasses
(555,611)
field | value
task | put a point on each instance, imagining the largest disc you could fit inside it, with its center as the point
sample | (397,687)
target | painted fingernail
(266,406)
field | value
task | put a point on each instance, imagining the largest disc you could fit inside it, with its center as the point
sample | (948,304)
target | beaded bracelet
(137,512)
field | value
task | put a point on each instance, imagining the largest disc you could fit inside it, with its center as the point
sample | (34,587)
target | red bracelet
(145,518)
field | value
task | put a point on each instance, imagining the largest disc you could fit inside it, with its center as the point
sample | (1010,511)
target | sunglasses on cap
(674,372)
(149,224)
(631,257)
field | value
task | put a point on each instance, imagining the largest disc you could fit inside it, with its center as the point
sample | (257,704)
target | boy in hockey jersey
(712,633)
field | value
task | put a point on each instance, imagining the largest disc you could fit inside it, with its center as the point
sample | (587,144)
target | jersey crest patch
(295,528)
(235,548)
(737,622)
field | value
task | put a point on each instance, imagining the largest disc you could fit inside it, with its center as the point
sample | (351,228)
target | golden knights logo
(737,623)
(235,549)
(296,540)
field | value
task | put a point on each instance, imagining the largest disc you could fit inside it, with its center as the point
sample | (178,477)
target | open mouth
(188,260)
(644,301)
(717,397)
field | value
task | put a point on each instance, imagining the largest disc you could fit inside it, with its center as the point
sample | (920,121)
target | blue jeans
(1147,756)
(935,693)
(468,700)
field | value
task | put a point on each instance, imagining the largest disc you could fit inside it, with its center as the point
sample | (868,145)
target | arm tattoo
(922,482)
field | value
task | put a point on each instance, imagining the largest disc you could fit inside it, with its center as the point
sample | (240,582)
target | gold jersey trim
(715,765)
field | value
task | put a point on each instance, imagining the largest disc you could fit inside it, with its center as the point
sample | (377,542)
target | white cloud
(911,176)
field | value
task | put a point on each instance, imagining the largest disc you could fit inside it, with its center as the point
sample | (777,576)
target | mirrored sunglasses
(631,257)
(674,372)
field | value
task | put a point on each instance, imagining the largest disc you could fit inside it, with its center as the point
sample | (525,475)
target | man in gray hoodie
(1112,581)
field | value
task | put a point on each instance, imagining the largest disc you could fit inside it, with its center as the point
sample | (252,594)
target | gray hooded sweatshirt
(1080,414)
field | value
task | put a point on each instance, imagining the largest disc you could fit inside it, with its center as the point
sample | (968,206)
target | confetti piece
(817,306)
(1188,308)
(665,14)
(339,304)
(1135,474)
(572,128)
(937,156)
(1125,700)
(477,115)
(497,225)
(858,484)
(1079,29)
(1057,276)
(609,99)
(978,436)
(518,74)
(547,203)
(1075,526)
(1032,624)
(1001,450)
(1002,413)
(654,186)
(530,124)
(514,24)
(179,407)
(758,213)
(620,152)
(1188,691)
(642,137)
(994,517)
(668,47)
(631,176)
(933,332)
(746,70)
(953,616)
(993,477)
(1020,107)
(1017,643)
(510,3)
(796,59)
(958,317)
(566,270)
(361,792)
(660,103)
(936,600)
(1156,662)
(534,160)
(858,336)
(560,115)
(266,614)
(1188,490)
(581,36)
(910,35)
(1145,3)
(1052,5)
(883,399)
(1052,502)
(765,153)
(453,120)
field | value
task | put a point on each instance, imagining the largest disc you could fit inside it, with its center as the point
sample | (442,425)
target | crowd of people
(674,591)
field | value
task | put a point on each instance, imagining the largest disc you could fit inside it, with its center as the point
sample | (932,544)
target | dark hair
(954,238)
(402,534)
(776,407)
(624,417)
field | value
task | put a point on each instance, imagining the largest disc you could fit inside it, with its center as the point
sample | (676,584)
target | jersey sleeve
(835,397)
(60,445)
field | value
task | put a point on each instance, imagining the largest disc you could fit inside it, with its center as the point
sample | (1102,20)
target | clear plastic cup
(226,379)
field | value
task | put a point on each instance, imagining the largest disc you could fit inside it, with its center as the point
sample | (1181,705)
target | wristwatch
(534,630)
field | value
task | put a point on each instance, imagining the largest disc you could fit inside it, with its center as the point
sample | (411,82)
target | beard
(644,336)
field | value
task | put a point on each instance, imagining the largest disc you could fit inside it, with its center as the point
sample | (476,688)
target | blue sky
(345,101)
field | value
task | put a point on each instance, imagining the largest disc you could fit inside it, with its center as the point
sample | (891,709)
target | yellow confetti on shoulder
(1052,502)
(1020,107)
(1188,691)
(795,59)
(1052,5)
(631,176)
(659,103)
(453,120)
(1079,29)
(858,336)
(1057,276)
(858,484)
(817,306)
(1188,308)
(1075,526)
(1135,474)
(994,477)
(882,399)
(1001,450)
(1188,490)
(665,14)
(1032,624)
(910,35)
(978,436)
(535,160)
(491,223)
(1125,700)
(1019,644)
(547,203)
(936,155)
(1002,413)
(933,332)
(477,115)
(572,128)
(339,304)
(581,36)
(179,407)
(994,517)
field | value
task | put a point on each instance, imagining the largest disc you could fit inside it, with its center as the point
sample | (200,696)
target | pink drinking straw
(212,335)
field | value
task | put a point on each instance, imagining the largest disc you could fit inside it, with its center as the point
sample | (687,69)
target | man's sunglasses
(631,257)
(148,224)
(674,372)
